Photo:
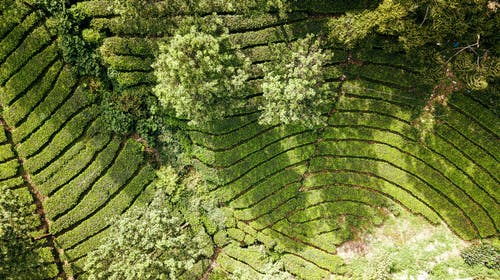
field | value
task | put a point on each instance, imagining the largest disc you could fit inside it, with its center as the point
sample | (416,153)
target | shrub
(482,254)
(199,73)
(294,86)
(153,242)
(19,257)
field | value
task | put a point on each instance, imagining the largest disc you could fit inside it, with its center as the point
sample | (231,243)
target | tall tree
(200,74)
(294,87)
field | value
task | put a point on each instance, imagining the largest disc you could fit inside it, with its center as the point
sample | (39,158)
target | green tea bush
(482,254)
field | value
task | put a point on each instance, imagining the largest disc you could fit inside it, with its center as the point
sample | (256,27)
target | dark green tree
(294,87)
(200,74)
(457,39)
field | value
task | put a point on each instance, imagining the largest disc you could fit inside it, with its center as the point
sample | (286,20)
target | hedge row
(233,137)
(387,74)
(421,172)
(3,136)
(71,107)
(267,143)
(447,143)
(332,263)
(66,168)
(48,173)
(329,7)
(12,182)
(282,33)
(446,166)
(8,169)
(128,63)
(310,228)
(35,41)
(379,107)
(128,47)
(404,98)
(59,92)
(478,143)
(257,168)
(10,42)
(419,188)
(303,268)
(421,158)
(338,176)
(448,151)
(255,193)
(22,79)
(78,186)
(476,112)
(6,152)
(22,107)
(128,79)
(94,8)
(123,168)
(228,263)
(72,130)
(12,16)
(224,126)
(329,240)
(116,206)
(268,204)
(144,26)
(269,219)
(80,249)
(348,215)
(252,256)
(242,23)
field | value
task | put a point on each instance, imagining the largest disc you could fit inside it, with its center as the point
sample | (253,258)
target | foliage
(457,36)
(273,271)
(200,74)
(294,85)
(154,242)
(136,9)
(18,253)
(407,247)
(482,254)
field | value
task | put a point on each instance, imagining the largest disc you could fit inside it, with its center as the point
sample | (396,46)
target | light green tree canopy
(153,242)
(294,87)
(19,254)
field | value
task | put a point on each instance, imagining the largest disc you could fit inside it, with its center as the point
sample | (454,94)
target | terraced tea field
(297,191)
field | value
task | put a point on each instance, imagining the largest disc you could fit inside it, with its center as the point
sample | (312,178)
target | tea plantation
(295,192)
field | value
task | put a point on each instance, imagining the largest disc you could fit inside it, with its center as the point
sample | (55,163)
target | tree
(200,74)
(273,271)
(19,258)
(458,37)
(153,242)
(294,87)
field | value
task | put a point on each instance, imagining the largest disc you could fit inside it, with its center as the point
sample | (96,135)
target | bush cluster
(482,254)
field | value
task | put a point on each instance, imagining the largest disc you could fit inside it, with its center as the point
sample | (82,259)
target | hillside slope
(296,191)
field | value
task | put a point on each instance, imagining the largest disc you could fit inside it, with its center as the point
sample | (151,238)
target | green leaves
(294,86)
(19,258)
(200,74)
(154,242)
